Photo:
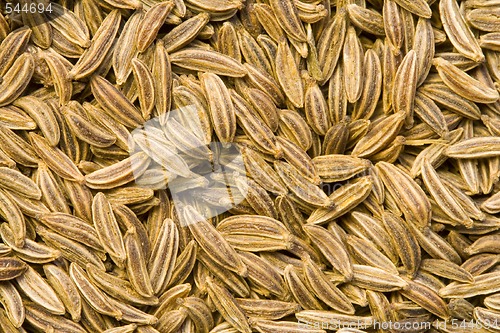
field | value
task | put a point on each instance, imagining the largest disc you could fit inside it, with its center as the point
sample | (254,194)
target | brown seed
(353,66)
(221,107)
(39,291)
(16,79)
(288,74)
(100,45)
(372,86)
(10,268)
(118,107)
(107,229)
(151,24)
(96,298)
(211,241)
(208,61)
(162,79)
(415,206)
(405,86)
(287,17)
(458,31)
(329,43)
(426,298)
(404,242)
(163,255)
(332,248)
(345,198)
(325,290)
(227,306)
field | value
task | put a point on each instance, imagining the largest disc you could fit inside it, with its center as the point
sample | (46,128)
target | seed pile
(367,193)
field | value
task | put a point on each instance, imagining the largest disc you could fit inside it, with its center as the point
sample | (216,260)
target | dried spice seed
(355,165)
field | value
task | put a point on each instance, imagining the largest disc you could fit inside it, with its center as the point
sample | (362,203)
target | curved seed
(151,23)
(227,42)
(262,172)
(371,87)
(288,18)
(227,306)
(353,66)
(478,147)
(265,82)
(162,79)
(208,61)
(99,47)
(325,290)
(254,127)
(376,279)
(267,309)
(69,25)
(43,116)
(16,119)
(41,319)
(116,105)
(409,197)
(220,105)
(367,253)
(184,264)
(442,196)
(198,311)
(442,95)
(426,298)
(463,84)
(59,72)
(119,173)
(18,183)
(293,127)
(122,56)
(16,78)
(39,291)
(330,43)
(332,248)
(458,31)
(424,48)
(420,7)
(446,269)
(145,87)
(337,167)
(55,159)
(264,274)
(368,20)
(88,131)
(11,268)
(118,288)
(96,298)
(212,242)
(345,198)
(300,291)
(68,249)
(65,289)
(12,303)
(302,187)
(73,228)
(136,264)
(107,229)
(379,135)
(288,73)
(316,108)
(163,256)
(13,47)
(185,32)
(405,86)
